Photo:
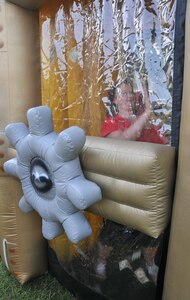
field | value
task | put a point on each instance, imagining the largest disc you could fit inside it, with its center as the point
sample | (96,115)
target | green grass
(43,288)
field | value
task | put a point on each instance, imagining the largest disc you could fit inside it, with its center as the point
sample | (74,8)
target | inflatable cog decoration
(49,169)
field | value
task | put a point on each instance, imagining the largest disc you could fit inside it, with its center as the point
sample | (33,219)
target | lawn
(43,288)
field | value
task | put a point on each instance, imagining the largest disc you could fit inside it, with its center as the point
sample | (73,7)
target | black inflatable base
(82,292)
(79,291)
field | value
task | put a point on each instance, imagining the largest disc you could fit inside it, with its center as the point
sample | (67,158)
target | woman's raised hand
(147,104)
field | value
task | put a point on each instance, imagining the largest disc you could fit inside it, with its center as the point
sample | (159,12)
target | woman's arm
(134,131)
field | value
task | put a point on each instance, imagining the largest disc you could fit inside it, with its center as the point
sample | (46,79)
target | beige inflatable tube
(177,276)
(22,247)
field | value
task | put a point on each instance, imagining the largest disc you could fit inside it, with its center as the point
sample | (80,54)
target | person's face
(124,97)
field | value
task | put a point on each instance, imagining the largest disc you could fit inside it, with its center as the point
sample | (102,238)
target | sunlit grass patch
(43,288)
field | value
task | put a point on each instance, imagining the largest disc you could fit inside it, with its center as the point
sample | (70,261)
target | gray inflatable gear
(49,169)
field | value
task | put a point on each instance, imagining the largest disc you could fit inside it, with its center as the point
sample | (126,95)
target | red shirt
(149,134)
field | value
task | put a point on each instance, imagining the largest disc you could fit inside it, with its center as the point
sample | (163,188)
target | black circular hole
(40,175)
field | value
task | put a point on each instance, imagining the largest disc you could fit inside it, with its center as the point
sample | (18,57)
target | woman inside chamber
(131,115)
